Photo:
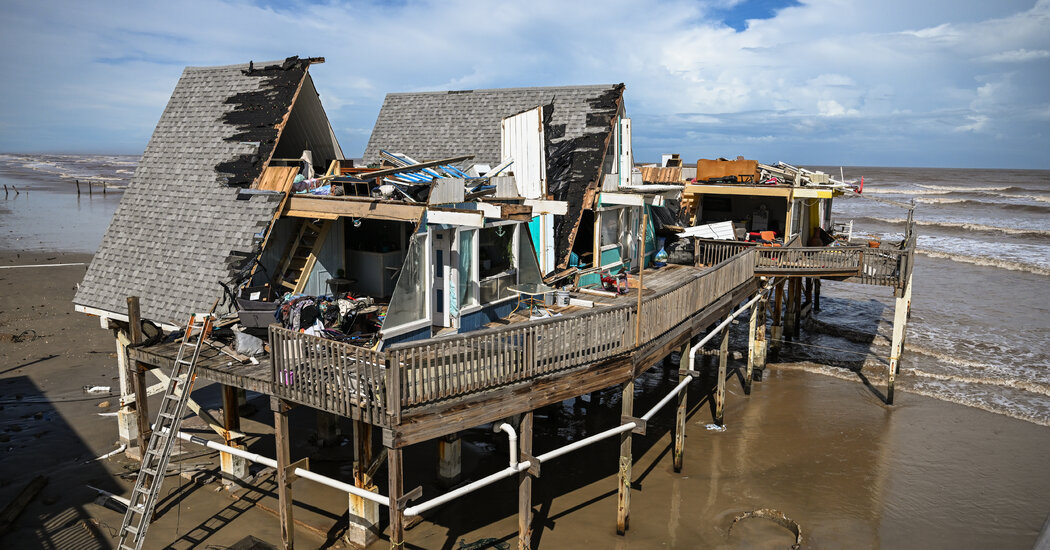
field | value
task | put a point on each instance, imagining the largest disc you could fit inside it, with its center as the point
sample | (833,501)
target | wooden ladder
(301,255)
(165,431)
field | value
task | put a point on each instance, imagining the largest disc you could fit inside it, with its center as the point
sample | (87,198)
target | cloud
(1015,56)
(824,81)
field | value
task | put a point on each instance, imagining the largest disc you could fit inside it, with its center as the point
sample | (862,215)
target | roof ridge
(518,89)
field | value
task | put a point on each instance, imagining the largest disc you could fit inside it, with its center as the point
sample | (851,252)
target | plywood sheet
(277,178)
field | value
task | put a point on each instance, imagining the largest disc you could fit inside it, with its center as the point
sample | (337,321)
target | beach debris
(481,544)
(776,516)
(14,508)
(714,428)
(97,389)
(104,404)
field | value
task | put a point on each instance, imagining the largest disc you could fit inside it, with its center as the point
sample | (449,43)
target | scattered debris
(714,428)
(777,517)
(104,405)
(97,389)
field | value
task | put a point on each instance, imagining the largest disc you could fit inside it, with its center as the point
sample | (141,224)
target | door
(442,266)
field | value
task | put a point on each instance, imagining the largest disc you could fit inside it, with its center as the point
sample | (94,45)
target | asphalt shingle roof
(433,125)
(179,229)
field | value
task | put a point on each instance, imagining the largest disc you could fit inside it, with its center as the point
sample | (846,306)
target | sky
(948,83)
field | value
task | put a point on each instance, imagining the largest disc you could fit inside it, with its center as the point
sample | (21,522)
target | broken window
(409,302)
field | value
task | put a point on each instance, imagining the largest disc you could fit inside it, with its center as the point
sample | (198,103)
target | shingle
(177,227)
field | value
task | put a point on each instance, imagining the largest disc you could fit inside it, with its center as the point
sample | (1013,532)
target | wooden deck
(424,389)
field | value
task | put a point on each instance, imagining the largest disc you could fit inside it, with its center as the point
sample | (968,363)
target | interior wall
(308,129)
(721,208)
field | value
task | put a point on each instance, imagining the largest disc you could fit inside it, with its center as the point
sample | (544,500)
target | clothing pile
(328,317)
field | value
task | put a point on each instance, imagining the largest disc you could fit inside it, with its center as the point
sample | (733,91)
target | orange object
(768,235)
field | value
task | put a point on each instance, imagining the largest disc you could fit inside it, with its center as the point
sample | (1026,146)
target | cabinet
(374,272)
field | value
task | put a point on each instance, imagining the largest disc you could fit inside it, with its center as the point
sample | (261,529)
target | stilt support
(396,488)
(900,322)
(284,459)
(679,423)
(233,466)
(720,389)
(623,493)
(363,528)
(752,334)
(450,460)
(525,484)
(776,332)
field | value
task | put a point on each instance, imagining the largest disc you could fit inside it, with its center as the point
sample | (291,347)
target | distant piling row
(90,190)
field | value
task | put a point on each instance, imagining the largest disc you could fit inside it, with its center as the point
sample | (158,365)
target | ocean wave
(1024,385)
(969,227)
(986,261)
(883,191)
(968,189)
(984,204)
(915,385)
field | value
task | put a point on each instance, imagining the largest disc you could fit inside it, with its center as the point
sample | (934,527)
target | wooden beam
(138,375)
(720,389)
(626,461)
(320,207)
(208,419)
(464,218)
(543,206)
(396,487)
(284,459)
(525,484)
(741,190)
(680,414)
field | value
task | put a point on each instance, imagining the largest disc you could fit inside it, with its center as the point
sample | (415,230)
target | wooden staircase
(301,255)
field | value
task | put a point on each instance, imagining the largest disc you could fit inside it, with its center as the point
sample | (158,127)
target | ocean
(981,308)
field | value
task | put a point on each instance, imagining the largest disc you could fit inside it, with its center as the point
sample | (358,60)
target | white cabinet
(375,273)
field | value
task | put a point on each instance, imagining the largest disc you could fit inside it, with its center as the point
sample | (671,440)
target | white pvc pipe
(512,469)
(512,441)
(692,354)
(306,474)
(586,441)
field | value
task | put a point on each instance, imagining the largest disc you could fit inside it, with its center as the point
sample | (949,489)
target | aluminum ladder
(165,432)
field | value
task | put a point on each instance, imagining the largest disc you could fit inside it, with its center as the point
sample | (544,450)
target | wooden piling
(363,527)
(525,484)
(231,421)
(679,424)
(623,492)
(752,334)
(776,332)
(78,187)
(284,460)
(900,322)
(723,366)
(90,190)
(396,488)
(138,374)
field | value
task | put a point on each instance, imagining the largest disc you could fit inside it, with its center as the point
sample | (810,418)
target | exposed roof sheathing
(577,125)
(184,224)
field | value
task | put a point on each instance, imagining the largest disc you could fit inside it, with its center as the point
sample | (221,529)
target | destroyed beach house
(408,295)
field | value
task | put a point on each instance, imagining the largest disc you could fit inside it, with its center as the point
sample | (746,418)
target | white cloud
(855,74)
(1015,56)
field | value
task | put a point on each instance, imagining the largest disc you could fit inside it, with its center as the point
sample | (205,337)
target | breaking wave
(970,227)
(967,189)
(986,261)
(984,204)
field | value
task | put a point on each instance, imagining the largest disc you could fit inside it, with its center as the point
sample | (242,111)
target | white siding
(521,138)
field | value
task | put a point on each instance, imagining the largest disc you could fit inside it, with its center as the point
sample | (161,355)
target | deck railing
(332,376)
(375,386)
(713,252)
(438,369)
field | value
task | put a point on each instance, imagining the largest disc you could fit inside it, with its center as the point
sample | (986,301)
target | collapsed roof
(578,122)
(185,222)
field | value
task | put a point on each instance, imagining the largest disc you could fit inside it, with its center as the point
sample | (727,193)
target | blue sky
(892,82)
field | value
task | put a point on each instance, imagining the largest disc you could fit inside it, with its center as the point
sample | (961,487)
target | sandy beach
(826,452)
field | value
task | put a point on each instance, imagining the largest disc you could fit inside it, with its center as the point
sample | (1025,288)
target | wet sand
(824,451)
